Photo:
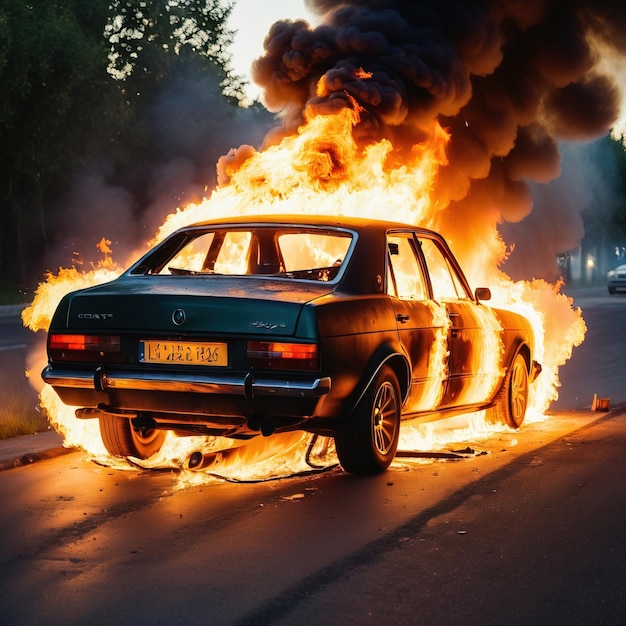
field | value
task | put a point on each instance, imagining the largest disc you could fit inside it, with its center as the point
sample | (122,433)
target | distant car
(616,279)
(341,327)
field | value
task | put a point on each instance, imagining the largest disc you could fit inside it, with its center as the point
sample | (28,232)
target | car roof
(341,221)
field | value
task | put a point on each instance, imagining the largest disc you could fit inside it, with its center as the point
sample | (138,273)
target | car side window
(445,283)
(302,250)
(404,276)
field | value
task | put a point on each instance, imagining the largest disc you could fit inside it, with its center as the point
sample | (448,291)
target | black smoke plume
(508,79)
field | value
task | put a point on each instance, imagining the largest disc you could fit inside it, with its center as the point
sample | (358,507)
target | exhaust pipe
(198,461)
(88,413)
(92,412)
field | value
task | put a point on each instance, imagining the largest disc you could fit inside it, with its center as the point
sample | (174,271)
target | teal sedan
(250,326)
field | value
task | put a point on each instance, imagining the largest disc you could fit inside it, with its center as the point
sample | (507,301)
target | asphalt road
(598,365)
(15,343)
(521,528)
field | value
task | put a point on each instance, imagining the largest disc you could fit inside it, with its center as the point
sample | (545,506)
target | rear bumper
(248,386)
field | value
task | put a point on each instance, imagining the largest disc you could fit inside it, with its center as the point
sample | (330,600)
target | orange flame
(362,74)
(323,170)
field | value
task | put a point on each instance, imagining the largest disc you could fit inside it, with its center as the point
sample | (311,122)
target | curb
(33,457)
(29,449)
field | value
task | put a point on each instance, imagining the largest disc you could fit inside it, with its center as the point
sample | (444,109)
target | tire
(120,438)
(512,399)
(367,442)
(611,290)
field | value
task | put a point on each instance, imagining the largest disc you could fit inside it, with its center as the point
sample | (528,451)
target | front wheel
(121,438)
(366,443)
(512,399)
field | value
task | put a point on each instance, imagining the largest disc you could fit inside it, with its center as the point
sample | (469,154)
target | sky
(252,20)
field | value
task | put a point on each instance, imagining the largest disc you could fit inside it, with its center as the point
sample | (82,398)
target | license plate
(183,353)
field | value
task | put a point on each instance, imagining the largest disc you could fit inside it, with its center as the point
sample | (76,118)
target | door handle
(403,318)
(454,319)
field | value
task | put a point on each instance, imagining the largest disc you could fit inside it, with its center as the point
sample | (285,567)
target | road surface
(517,528)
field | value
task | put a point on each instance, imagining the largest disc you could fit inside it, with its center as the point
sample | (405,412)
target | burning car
(249,326)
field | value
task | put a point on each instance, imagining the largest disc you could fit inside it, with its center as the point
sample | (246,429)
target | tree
(171,59)
(150,40)
(59,106)
(619,210)
(99,85)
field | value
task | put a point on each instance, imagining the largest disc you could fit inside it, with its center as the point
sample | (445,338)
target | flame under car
(235,328)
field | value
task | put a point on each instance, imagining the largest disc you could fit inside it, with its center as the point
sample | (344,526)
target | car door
(472,357)
(421,323)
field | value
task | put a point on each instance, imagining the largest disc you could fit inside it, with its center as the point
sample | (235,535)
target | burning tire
(120,438)
(367,443)
(512,399)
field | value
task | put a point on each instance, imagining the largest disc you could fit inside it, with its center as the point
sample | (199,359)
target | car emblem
(179,317)
(267,325)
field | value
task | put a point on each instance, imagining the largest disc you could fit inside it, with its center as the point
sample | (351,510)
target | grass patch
(15,425)
(19,417)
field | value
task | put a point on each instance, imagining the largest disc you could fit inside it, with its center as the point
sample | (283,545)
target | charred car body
(254,325)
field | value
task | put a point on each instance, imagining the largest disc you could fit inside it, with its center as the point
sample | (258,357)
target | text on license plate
(183,353)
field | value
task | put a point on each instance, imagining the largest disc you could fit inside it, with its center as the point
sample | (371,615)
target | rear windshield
(309,253)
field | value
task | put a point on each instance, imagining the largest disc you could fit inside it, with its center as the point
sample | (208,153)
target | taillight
(85,347)
(283,355)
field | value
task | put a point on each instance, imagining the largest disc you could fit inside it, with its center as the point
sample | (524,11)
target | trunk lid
(215,305)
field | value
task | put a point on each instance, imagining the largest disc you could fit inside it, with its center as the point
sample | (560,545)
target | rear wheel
(512,399)
(121,438)
(367,442)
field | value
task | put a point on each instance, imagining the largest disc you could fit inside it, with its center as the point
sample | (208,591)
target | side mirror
(483,293)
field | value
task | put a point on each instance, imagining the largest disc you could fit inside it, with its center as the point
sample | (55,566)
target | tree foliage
(151,39)
(56,95)
(619,208)
(84,87)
